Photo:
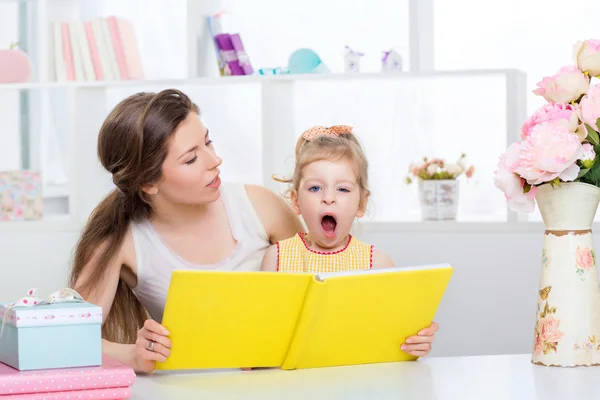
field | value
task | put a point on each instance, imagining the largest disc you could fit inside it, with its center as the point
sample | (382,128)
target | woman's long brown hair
(132,146)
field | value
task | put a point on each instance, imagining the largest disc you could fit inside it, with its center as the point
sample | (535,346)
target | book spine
(117,41)
(228,54)
(59,60)
(94,50)
(117,393)
(67,51)
(58,380)
(306,319)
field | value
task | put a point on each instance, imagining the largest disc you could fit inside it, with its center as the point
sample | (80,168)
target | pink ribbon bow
(332,131)
(65,295)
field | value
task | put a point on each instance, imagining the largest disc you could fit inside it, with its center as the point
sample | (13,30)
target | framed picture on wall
(20,196)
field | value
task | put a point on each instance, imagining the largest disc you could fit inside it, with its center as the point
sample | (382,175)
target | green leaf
(593,175)
(582,172)
(555,181)
(598,123)
(592,135)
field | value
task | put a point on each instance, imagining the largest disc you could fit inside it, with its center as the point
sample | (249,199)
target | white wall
(489,307)
(10,142)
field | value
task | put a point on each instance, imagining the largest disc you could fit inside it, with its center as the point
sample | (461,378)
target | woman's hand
(152,345)
(420,345)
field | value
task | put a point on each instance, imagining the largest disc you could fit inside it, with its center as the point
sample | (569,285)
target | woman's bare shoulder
(278,218)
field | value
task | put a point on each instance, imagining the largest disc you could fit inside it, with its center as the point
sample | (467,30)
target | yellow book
(292,321)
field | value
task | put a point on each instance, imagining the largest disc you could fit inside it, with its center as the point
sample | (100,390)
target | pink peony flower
(589,107)
(563,87)
(549,152)
(584,258)
(511,184)
(549,329)
(587,56)
(524,202)
(564,114)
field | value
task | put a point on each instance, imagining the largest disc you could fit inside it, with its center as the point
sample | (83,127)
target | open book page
(322,276)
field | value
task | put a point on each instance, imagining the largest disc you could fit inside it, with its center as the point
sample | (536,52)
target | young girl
(329,190)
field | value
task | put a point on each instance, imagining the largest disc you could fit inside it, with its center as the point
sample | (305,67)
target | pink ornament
(14,66)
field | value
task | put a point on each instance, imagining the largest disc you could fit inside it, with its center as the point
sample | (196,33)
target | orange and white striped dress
(293,255)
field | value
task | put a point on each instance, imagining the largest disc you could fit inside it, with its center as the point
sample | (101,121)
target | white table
(482,378)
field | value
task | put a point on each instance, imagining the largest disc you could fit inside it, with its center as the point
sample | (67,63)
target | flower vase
(567,327)
(438,199)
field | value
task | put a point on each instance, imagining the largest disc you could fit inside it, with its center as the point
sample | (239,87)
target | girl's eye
(208,143)
(344,190)
(192,160)
(314,189)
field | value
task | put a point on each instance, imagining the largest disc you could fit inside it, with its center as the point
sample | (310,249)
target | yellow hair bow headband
(332,131)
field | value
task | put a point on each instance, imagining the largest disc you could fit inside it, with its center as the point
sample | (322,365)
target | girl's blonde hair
(331,147)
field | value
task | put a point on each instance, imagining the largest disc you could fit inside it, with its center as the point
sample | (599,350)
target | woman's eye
(192,160)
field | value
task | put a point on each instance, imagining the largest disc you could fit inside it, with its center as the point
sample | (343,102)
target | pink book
(131,50)
(106,394)
(68,52)
(115,36)
(89,33)
(112,374)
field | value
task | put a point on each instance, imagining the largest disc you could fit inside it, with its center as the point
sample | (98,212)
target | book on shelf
(230,52)
(101,49)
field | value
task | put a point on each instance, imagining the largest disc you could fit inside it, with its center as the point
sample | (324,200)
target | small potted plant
(15,65)
(438,186)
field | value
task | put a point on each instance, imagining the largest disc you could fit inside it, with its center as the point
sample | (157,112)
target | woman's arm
(275,213)
(269,262)
(103,293)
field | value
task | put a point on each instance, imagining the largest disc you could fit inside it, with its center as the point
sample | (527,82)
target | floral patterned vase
(438,199)
(567,327)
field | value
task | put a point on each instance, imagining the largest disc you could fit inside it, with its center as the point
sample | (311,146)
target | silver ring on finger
(151,345)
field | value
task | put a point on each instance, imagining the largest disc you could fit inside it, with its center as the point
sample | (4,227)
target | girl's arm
(381,260)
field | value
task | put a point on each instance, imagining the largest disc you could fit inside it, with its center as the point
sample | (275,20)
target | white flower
(432,169)
(454,169)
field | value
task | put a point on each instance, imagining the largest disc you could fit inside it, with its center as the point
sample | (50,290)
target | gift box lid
(66,313)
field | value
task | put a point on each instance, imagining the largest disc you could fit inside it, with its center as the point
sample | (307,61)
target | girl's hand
(420,345)
(152,345)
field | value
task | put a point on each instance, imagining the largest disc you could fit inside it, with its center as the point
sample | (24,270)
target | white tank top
(156,261)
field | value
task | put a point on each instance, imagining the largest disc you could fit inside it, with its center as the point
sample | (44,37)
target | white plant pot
(439,199)
(567,327)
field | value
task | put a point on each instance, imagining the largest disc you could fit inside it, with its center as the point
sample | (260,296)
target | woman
(169,211)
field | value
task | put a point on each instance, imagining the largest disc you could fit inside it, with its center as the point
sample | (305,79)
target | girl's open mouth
(328,223)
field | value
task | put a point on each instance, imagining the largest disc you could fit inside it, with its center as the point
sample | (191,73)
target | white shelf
(52,191)
(453,227)
(65,224)
(227,80)
(52,223)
